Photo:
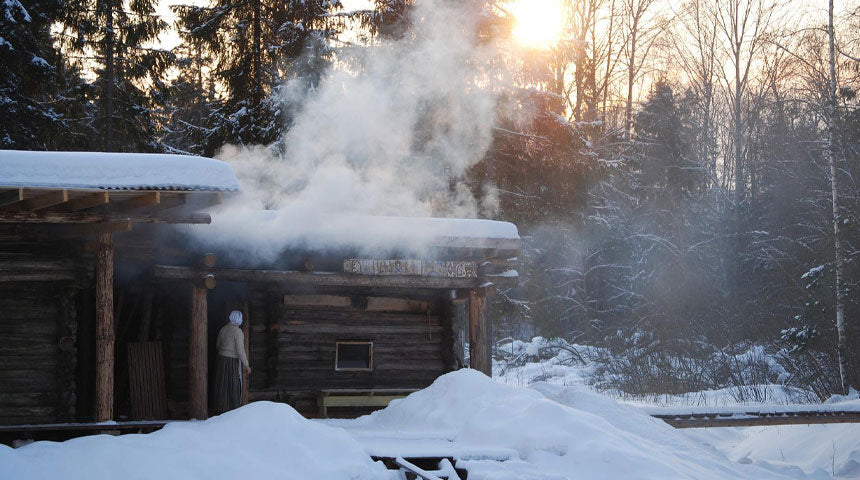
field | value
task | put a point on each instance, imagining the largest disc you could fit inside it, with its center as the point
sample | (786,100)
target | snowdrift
(556,432)
(803,451)
(545,432)
(259,441)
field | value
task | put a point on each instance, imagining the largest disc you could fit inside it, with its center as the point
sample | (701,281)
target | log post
(197,356)
(479,345)
(104,329)
(246,329)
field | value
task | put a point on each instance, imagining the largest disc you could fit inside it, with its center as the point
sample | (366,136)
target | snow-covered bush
(749,373)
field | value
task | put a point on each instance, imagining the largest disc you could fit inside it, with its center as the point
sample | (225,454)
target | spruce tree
(111,37)
(258,45)
(29,67)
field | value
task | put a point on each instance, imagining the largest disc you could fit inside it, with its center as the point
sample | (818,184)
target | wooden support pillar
(104,329)
(479,341)
(246,329)
(197,356)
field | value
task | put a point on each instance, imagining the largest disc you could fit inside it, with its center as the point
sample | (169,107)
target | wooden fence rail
(755,419)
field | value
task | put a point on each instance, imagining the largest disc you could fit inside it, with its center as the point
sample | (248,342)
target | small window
(354,356)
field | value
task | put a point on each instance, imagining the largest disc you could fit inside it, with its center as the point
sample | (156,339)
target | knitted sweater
(231,343)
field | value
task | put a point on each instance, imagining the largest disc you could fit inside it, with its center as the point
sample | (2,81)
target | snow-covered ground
(545,432)
(497,431)
(797,451)
(262,440)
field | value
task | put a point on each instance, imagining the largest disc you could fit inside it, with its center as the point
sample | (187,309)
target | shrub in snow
(749,374)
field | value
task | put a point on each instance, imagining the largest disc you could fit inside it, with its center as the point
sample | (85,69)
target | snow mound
(556,432)
(260,440)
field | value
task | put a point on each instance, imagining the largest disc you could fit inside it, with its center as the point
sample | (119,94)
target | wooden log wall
(292,346)
(410,349)
(42,278)
(37,353)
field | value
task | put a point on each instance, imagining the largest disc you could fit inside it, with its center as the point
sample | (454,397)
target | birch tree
(833,160)
(641,30)
(742,25)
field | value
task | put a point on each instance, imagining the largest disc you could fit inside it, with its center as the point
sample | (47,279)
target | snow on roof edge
(114,171)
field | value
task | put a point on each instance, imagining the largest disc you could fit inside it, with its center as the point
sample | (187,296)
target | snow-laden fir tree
(257,45)
(29,68)
(115,40)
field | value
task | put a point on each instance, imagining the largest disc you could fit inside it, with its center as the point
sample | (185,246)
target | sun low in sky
(538,24)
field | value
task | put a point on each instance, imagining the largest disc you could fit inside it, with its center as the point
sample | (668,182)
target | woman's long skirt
(228,384)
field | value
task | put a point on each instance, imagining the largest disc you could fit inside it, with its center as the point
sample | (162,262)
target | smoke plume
(393,137)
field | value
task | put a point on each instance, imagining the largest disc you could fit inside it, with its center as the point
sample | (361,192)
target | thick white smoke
(394,138)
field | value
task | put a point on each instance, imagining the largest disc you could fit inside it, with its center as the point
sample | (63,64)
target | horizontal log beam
(191,218)
(96,228)
(206,282)
(329,279)
(58,276)
(58,427)
(57,217)
(494,245)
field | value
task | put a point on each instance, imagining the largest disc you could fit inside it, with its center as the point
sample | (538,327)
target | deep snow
(261,440)
(497,431)
(798,451)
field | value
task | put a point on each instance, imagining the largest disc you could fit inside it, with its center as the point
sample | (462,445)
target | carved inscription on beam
(424,268)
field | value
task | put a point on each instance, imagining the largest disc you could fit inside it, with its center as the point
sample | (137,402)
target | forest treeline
(684,176)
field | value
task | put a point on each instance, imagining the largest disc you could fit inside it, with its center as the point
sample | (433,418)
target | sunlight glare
(538,23)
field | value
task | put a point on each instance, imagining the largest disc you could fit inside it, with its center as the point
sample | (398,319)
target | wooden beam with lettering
(426,268)
(323,279)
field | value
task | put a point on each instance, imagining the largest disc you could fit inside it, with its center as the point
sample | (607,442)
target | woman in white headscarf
(231,361)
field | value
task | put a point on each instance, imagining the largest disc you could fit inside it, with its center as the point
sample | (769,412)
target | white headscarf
(236,317)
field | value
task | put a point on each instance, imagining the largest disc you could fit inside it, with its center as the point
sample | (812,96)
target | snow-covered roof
(120,171)
(264,234)
(442,227)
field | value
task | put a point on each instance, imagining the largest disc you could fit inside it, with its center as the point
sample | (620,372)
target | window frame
(338,343)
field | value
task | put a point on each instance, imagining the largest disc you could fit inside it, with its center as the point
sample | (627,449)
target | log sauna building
(111,296)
